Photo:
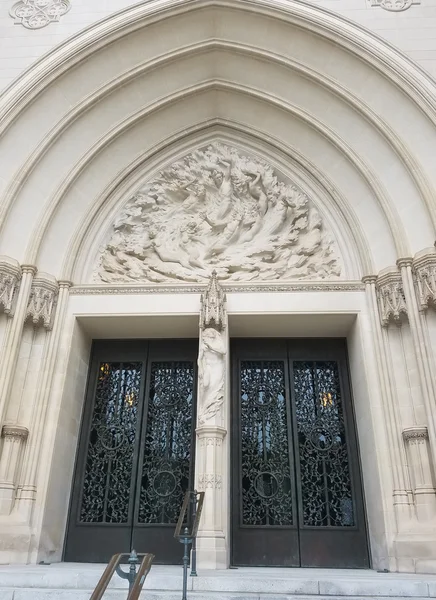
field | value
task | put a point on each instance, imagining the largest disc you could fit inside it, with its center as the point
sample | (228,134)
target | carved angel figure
(211,373)
(217,209)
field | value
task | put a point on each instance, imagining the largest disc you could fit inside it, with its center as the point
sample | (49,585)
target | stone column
(416,439)
(211,432)
(421,351)
(13,340)
(47,306)
(14,439)
(387,294)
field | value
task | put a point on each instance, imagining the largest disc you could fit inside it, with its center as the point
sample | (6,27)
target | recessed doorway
(136,451)
(296,487)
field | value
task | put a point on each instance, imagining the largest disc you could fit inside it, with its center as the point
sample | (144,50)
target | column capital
(369,279)
(415,432)
(29,269)
(391,297)
(65,283)
(42,300)
(424,267)
(15,431)
(404,262)
(10,275)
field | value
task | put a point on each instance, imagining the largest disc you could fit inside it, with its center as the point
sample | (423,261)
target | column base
(7,497)
(211,551)
(425,504)
(15,543)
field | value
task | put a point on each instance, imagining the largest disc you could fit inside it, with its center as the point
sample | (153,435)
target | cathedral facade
(218,273)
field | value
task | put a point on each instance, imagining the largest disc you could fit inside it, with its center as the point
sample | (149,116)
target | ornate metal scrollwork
(168,442)
(265,469)
(324,466)
(112,437)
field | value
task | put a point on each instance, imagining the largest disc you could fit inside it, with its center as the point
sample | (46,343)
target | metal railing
(136,579)
(186,533)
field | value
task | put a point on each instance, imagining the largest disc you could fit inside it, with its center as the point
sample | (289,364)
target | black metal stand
(186,532)
(186,540)
(131,574)
(194,540)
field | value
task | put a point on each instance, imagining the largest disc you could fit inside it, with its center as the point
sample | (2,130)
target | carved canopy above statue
(217,209)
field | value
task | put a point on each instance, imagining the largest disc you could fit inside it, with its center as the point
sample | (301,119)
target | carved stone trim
(391,298)
(97,290)
(42,301)
(209,481)
(35,14)
(10,274)
(211,432)
(394,5)
(424,267)
(16,432)
(415,433)
(213,303)
(211,441)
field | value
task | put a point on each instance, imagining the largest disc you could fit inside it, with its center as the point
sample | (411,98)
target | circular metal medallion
(164,484)
(266,485)
(111,438)
(263,396)
(321,438)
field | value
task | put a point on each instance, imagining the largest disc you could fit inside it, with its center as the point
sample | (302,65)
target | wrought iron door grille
(265,469)
(112,437)
(167,448)
(324,470)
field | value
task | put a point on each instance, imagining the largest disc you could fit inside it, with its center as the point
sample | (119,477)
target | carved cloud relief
(217,209)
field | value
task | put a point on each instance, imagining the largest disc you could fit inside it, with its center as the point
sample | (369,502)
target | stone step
(61,594)
(76,582)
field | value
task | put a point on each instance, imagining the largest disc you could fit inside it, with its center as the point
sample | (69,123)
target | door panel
(167,449)
(264,515)
(326,509)
(135,452)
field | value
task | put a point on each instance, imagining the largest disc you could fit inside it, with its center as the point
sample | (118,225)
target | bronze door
(135,457)
(296,487)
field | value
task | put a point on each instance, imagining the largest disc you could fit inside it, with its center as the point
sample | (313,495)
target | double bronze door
(135,458)
(296,489)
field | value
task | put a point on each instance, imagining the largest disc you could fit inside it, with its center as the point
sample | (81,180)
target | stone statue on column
(211,453)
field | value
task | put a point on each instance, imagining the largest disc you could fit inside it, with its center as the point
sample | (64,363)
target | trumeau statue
(217,209)
(211,374)
(212,354)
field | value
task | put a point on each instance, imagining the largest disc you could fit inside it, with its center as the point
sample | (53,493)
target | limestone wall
(412,30)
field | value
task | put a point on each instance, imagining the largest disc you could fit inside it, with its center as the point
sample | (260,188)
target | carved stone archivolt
(424,266)
(391,298)
(10,274)
(394,5)
(42,301)
(35,14)
(218,210)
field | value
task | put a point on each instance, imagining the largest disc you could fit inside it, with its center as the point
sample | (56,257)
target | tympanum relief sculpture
(217,209)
